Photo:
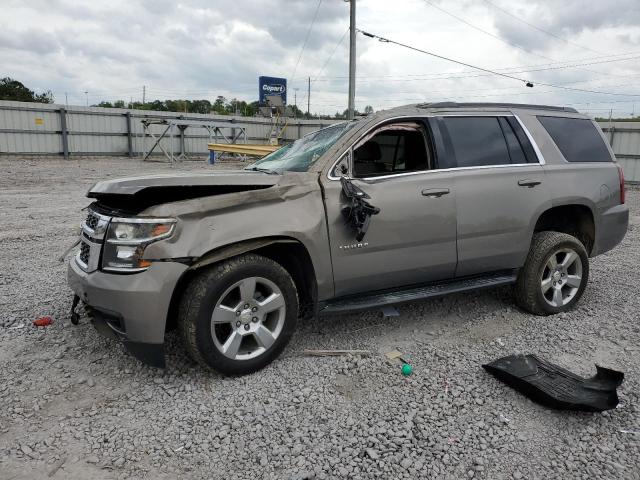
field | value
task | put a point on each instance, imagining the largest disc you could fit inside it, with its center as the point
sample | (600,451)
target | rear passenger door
(500,190)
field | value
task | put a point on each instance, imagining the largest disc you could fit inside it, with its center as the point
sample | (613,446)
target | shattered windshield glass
(301,154)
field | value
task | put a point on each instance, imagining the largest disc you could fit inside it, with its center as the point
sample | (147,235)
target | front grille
(92,220)
(94,229)
(85,251)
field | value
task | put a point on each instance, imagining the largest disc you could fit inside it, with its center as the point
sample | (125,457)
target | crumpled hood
(133,195)
(134,185)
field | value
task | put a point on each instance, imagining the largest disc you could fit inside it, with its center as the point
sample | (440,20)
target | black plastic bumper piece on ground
(75,316)
(110,325)
(555,387)
(151,354)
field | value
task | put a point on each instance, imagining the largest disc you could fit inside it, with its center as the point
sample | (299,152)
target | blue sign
(272,86)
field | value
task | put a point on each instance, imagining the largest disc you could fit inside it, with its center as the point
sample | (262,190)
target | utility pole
(309,98)
(295,102)
(66,99)
(144,93)
(86,94)
(352,59)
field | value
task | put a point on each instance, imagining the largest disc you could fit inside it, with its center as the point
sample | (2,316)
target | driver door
(412,239)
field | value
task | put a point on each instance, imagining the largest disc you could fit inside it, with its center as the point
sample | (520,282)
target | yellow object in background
(243,148)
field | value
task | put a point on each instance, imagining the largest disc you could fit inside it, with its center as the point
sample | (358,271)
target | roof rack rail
(503,105)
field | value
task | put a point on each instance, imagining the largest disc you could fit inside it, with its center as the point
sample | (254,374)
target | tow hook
(75,316)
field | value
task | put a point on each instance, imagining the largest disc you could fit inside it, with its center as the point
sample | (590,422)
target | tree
(356,113)
(200,106)
(368,110)
(219,106)
(295,111)
(11,89)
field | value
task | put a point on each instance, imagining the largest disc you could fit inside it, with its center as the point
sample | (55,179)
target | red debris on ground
(43,321)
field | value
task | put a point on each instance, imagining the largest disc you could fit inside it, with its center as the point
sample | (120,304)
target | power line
(331,56)
(306,39)
(534,67)
(546,32)
(454,76)
(527,83)
(326,62)
(462,20)
(386,40)
(499,38)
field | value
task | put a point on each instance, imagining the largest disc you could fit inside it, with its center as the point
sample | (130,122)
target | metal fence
(624,138)
(41,129)
(46,129)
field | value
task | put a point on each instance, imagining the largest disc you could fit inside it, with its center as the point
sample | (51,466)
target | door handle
(528,183)
(435,192)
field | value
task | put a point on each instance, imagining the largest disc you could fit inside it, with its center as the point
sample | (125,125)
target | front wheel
(237,316)
(554,275)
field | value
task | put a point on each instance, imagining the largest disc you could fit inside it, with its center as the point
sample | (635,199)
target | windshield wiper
(264,170)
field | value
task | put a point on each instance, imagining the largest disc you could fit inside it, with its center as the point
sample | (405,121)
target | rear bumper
(611,229)
(131,308)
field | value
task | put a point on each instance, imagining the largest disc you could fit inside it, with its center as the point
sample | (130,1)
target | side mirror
(358,211)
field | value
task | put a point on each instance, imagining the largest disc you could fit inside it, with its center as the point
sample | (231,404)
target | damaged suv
(409,203)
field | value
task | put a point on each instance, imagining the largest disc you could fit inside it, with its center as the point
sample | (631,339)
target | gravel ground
(74,405)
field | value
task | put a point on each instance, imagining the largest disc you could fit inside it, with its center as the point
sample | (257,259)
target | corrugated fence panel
(33,128)
(37,128)
(625,142)
(631,168)
(28,143)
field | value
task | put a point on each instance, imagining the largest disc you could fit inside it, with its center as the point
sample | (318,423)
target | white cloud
(201,49)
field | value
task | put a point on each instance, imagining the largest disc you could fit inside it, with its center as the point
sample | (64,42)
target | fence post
(129,139)
(612,131)
(65,133)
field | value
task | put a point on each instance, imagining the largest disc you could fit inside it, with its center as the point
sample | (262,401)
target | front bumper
(132,308)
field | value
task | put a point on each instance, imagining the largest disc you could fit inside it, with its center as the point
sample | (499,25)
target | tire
(237,316)
(539,281)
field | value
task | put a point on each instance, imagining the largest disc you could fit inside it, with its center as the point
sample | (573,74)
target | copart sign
(272,86)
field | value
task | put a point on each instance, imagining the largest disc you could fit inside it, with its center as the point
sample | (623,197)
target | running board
(410,294)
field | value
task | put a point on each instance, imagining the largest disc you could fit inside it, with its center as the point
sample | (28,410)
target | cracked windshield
(301,154)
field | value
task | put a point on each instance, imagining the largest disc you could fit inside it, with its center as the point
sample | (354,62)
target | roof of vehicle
(421,108)
(453,105)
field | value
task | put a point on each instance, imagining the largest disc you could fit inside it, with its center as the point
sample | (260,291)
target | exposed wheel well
(576,220)
(289,253)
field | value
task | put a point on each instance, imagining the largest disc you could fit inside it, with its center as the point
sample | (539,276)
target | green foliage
(606,119)
(220,106)
(11,89)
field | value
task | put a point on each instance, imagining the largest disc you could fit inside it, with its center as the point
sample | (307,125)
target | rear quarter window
(577,138)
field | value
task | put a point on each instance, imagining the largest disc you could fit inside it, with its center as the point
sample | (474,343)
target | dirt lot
(75,405)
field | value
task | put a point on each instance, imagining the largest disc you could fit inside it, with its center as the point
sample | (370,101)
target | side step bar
(410,294)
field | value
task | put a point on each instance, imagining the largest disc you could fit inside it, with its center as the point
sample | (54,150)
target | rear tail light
(621,175)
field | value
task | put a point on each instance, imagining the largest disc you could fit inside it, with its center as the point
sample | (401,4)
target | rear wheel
(237,316)
(555,274)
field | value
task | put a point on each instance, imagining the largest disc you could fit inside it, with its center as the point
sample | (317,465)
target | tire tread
(197,291)
(527,286)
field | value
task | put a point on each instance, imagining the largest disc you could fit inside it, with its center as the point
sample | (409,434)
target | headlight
(127,238)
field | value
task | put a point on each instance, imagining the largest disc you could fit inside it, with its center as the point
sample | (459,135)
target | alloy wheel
(561,277)
(248,318)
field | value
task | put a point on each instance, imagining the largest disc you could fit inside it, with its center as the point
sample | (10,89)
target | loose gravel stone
(301,417)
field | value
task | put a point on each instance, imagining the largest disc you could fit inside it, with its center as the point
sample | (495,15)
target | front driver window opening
(391,149)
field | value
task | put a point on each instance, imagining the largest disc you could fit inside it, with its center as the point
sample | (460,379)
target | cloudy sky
(203,48)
